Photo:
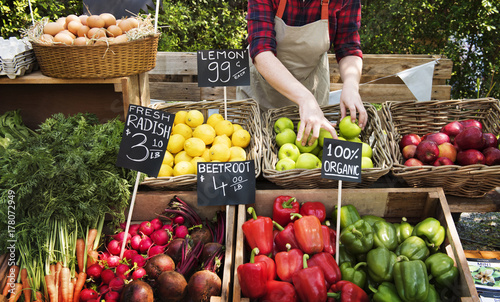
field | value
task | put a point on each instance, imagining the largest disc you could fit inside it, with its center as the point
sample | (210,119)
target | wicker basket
(311,178)
(243,112)
(400,118)
(97,61)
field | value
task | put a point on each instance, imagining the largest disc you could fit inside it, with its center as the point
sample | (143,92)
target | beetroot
(137,291)
(88,294)
(202,234)
(174,249)
(94,271)
(160,237)
(209,249)
(146,228)
(158,264)
(202,285)
(171,286)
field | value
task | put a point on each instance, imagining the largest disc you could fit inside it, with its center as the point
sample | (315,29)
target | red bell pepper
(258,232)
(310,283)
(329,266)
(288,263)
(327,241)
(271,266)
(315,208)
(283,206)
(275,249)
(280,291)
(285,235)
(308,233)
(346,291)
(253,277)
(333,236)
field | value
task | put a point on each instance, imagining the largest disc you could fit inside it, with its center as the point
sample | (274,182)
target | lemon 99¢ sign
(341,160)
(227,67)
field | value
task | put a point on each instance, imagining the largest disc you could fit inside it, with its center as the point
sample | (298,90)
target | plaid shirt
(344,21)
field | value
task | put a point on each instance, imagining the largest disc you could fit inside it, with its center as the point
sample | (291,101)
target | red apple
(409,151)
(413,162)
(491,156)
(448,150)
(452,129)
(471,122)
(427,151)
(443,161)
(490,140)
(438,137)
(470,157)
(409,139)
(470,138)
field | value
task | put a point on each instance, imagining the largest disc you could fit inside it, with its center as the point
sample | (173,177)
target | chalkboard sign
(223,68)
(341,160)
(144,139)
(226,183)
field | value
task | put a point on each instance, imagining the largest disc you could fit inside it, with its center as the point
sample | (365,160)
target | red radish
(88,294)
(135,242)
(104,256)
(107,275)
(146,228)
(94,271)
(120,236)
(146,243)
(179,220)
(157,224)
(138,273)
(156,249)
(112,295)
(122,271)
(181,231)
(116,284)
(113,261)
(128,254)
(103,289)
(139,259)
(114,247)
(133,229)
(168,227)
(160,237)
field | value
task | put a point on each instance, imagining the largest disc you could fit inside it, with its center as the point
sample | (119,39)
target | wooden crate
(149,204)
(413,203)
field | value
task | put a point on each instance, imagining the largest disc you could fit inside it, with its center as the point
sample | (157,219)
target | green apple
(289,150)
(355,140)
(306,148)
(366,162)
(283,123)
(285,164)
(348,128)
(307,161)
(341,138)
(366,150)
(320,154)
(285,136)
(322,135)
(316,150)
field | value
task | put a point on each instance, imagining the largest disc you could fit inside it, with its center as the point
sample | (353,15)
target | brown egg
(53,28)
(74,26)
(80,41)
(114,31)
(83,19)
(101,41)
(120,39)
(83,30)
(95,21)
(62,21)
(69,33)
(63,38)
(70,18)
(46,39)
(134,22)
(125,25)
(96,33)
(108,18)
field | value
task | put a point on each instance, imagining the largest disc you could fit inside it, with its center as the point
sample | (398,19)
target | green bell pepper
(431,230)
(442,269)
(403,230)
(371,219)
(385,235)
(386,292)
(348,215)
(357,238)
(380,263)
(433,295)
(345,256)
(411,280)
(354,274)
(414,248)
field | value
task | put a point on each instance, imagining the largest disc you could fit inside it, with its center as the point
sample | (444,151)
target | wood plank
(379,93)
(37,77)
(181,63)
(174,91)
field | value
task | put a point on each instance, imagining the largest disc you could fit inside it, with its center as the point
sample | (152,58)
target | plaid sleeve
(346,41)
(261,34)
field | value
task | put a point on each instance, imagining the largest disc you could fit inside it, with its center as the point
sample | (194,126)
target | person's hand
(350,100)
(312,119)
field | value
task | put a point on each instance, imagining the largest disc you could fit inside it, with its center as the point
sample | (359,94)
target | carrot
(15,270)
(80,253)
(91,238)
(92,257)
(38,296)
(51,287)
(65,276)
(57,280)
(26,284)
(80,282)
(71,291)
(14,296)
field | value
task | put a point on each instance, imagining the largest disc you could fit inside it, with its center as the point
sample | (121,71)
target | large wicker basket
(97,61)
(311,178)
(243,112)
(401,118)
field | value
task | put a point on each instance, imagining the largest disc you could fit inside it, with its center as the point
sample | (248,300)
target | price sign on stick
(145,139)
(226,183)
(223,68)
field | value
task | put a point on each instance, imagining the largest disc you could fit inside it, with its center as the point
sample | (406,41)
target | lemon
(165,171)
(168,159)
(224,127)
(206,154)
(175,143)
(194,118)
(214,119)
(236,127)
(184,168)
(220,152)
(205,132)
(194,146)
(195,162)
(222,139)
(241,138)
(182,156)
(237,154)
(180,117)
(183,130)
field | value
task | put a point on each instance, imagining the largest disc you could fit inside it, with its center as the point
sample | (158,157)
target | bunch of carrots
(56,272)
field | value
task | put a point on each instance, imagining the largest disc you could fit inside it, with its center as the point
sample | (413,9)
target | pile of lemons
(193,140)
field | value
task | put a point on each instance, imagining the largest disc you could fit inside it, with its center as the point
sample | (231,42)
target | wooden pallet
(482,254)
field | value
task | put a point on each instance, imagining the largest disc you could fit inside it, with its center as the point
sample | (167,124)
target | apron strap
(324,9)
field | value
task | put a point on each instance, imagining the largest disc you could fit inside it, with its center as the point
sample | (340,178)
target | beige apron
(303,51)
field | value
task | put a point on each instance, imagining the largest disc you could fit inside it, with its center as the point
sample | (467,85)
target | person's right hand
(312,119)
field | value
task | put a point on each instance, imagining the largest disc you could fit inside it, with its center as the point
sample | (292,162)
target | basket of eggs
(94,46)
